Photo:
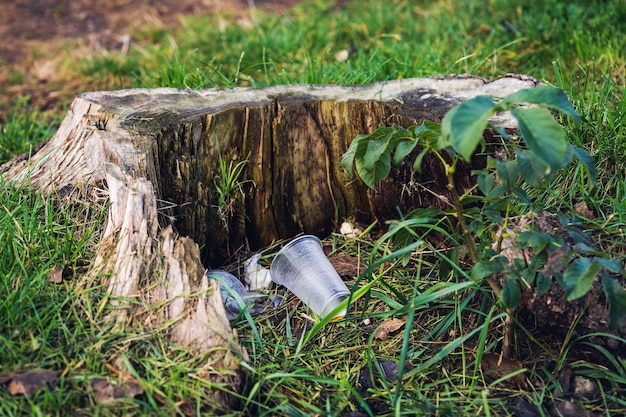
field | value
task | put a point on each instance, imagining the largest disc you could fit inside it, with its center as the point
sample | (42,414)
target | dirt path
(35,33)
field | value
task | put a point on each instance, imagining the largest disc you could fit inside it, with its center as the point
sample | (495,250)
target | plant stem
(492,280)
(458,208)
(469,239)
(507,340)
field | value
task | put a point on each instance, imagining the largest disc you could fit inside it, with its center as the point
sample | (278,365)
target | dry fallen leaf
(494,367)
(583,209)
(29,382)
(106,392)
(56,276)
(387,328)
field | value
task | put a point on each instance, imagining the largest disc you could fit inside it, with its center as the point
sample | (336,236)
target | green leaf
(496,193)
(521,195)
(508,172)
(617,301)
(485,182)
(536,239)
(546,96)
(511,294)
(347,158)
(463,126)
(588,162)
(425,132)
(612,265)
(429,213)
(372,155)
(357,146)
(403,149)
(531,168)
(502,132)
(579,276)
(543,136)
(544,283)
(417,165)
(433,129)
(484,268)
(519,264)
(379,172)
(376,150)
(445,268)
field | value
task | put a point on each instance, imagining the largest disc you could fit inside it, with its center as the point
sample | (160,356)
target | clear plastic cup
(303,268)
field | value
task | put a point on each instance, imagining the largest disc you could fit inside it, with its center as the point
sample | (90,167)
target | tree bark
(159,153)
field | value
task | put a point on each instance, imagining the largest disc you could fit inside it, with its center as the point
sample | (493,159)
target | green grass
(574,45)
(24,129)
(337,358)
(59,326)
(397,39)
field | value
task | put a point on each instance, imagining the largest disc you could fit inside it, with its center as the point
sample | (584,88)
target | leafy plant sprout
(543,149)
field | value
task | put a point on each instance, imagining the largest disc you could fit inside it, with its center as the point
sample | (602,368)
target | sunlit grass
(380,41)
(23,131)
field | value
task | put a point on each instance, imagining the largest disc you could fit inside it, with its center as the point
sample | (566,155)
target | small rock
(342,55)
(584,386)
(349,230)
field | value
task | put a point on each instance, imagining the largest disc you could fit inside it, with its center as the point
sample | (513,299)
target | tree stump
(292,136)
(160,152)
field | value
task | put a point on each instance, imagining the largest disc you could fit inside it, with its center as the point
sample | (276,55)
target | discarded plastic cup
(229,285)
(302,267)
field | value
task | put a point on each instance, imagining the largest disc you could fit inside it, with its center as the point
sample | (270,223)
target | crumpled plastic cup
(229,285)
(303,268)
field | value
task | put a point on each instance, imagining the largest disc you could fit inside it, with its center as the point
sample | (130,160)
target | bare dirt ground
(35,33)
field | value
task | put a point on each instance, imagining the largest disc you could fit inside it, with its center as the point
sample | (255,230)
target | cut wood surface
(158,153)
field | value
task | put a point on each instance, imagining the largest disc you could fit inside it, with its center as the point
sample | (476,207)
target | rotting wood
(157,280)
